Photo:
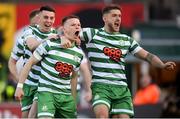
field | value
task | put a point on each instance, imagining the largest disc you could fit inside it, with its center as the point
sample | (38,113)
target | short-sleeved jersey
(35,33)
(57,65)
(18,49)
(107,53)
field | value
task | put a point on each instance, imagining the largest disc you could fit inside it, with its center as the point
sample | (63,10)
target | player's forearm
(88,83)
(87,78)
(74,87)
(24,73)
(13,69)
(154,60)
(26,69)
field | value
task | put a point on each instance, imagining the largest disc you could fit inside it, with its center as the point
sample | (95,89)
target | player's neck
(110,30)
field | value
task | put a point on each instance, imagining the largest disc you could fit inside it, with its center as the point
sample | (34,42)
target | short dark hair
(47,8)
(108,8)
(33,13)
(69,17)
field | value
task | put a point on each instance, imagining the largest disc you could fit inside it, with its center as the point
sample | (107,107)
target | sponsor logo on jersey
(113,53)
(64,69)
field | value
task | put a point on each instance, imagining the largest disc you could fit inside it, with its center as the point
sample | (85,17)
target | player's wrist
(20,85)
(88,89)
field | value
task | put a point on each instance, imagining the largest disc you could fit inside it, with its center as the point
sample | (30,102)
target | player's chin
(75,38)
(116,29)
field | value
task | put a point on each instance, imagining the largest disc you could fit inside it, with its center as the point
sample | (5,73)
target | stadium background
(155,24)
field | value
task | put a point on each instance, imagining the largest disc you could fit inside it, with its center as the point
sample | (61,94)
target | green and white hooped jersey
(57,65)
(35,33)
(18,49)
(107,53)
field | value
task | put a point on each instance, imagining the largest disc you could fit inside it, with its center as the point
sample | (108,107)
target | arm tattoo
(149,57)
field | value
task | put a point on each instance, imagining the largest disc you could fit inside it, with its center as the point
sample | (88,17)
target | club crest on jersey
(121,43)
(64,69)
(113,53)
(76,58)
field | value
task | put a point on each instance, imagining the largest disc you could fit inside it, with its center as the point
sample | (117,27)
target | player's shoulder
(89,29)
(27,28)
(123,35)
(78,49)
(53,42)
(34,28)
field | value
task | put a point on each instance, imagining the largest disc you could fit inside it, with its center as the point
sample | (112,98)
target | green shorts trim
(97,102)
(45,114)
(35,97)
(126,111)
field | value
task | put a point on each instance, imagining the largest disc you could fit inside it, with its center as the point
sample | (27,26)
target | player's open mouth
(47,25)
(116,24)
(77,33)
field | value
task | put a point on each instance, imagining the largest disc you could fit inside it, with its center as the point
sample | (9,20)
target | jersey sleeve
(41,50)
(18,49)
(28,33)
(87,34)
(134,47)
(81,60)
(84,59)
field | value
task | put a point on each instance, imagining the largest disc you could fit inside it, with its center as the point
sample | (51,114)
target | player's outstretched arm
(154,60)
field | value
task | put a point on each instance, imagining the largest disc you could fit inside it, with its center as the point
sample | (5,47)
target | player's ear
(104,18)
(63,28)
